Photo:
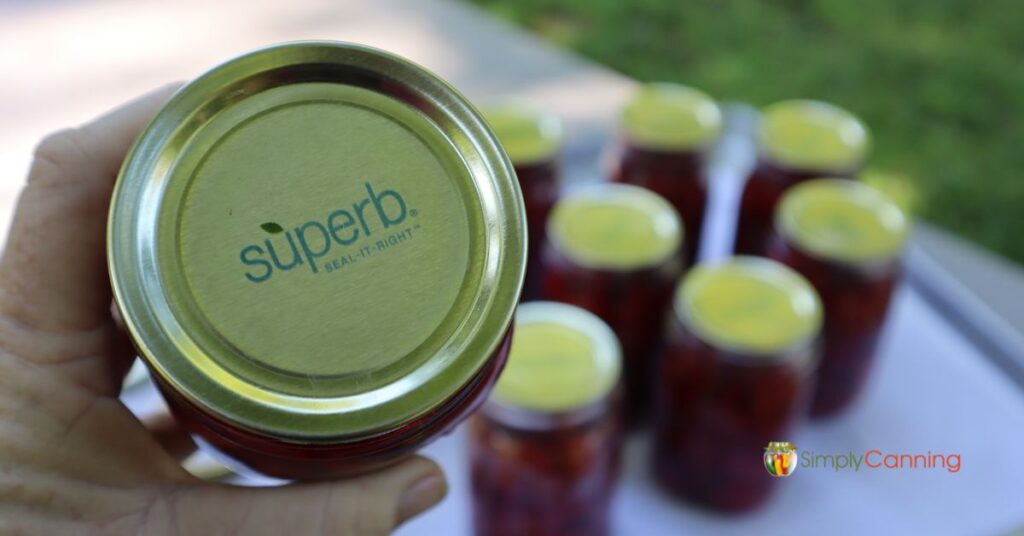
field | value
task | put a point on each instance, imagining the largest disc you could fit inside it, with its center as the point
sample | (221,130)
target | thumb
(370,505)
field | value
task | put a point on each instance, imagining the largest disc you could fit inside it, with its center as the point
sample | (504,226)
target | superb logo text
(310,243)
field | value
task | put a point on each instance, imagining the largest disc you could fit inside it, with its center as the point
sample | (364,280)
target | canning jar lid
(562,358)
(749,305)
(615,226)
(317,241)
(812,135)
(842,220)
(528,134)
(780,446)
(671,117)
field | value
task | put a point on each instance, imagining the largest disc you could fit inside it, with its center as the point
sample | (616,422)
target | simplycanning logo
(310,243)
(780,459)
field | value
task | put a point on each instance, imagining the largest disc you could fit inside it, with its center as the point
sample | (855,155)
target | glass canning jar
(318,248)
(846,238)
(544,449)
(736,374)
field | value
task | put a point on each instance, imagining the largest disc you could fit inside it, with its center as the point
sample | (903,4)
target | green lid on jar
(562,358)
(528,135)
(317,241)
(749,305)
(780,446)
(615,227)
(812,135)
(671,117)
(842,220)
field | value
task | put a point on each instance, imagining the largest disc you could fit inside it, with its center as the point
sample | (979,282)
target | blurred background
(940,83)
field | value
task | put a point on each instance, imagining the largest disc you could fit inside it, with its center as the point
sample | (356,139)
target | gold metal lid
(842,220)
(750,305)
(562,358)
(317,241)
(615,226)
(812,135)
(671,117)
(528,135)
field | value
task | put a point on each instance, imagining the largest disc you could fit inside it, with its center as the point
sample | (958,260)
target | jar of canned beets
(736,374)
(318,249)
(533,140)
(544,450)
(665,130)
(846,238)
(613,249)
(797,140)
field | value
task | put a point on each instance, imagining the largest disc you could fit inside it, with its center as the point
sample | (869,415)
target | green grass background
(939,82)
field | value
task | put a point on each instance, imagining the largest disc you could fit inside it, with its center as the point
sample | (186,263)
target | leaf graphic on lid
(271,227)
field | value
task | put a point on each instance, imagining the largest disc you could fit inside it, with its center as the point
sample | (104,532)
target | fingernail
(422,494)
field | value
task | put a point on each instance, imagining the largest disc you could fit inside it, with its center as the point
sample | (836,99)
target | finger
(366,506)
(53,272)
(171,436)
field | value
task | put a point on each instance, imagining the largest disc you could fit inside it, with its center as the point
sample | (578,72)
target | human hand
(73,459)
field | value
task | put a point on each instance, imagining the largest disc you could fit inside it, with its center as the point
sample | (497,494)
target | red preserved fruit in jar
(533,140)
(613,249)
(544,450)
(664,133)
(313,461)
(798,140)
(736,374)
(318,250)
(846,238)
